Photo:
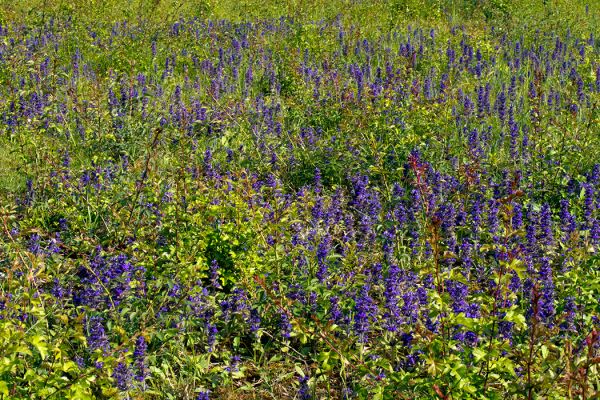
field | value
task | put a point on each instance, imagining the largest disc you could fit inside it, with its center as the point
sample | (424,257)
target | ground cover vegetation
(309,200)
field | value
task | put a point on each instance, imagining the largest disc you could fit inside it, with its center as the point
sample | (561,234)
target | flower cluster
(415,210)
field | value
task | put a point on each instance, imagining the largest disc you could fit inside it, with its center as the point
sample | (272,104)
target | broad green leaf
(479,354)
(40,344)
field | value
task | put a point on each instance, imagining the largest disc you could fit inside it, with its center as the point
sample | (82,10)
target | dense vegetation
(337,199)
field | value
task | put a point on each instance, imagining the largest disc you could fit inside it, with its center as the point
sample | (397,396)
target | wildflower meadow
(309,199)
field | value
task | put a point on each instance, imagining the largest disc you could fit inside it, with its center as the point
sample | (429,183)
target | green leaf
(544,350)
(23,350)
(68,366)
(378,395)
(519,267)
(479,354)
(41,346)
(518,319)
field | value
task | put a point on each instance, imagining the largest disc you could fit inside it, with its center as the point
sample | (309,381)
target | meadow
(345,199)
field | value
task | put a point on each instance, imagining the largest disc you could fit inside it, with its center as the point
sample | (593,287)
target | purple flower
(34,244)
(568,221)
(285,325)
(589,206)
(471,338)
(304,390)
(318,181)
(203,395)
(322,251)
(493,221)
(139,355)
(335,311)
(254,320)
(214,274)
(365,312)
(122,376)
(546,302)
(96,335)
(211,336)
(410,306)
(392,294)
(458,292)
(57,289)
(570,310)
(234,364)
(505,329)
